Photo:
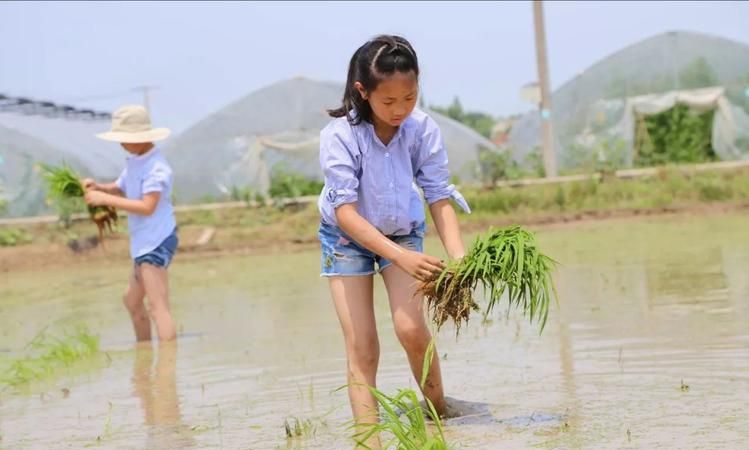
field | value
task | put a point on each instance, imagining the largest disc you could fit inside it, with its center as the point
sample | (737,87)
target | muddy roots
(448,297)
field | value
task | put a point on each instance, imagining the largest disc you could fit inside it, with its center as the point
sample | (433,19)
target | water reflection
(156,387)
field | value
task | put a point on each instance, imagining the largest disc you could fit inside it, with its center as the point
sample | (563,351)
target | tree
(455,110)
(697,74)
(479,121)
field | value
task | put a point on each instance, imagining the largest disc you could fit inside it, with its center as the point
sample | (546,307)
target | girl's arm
(433,176)
(446,222)
(418,265)
(144,206)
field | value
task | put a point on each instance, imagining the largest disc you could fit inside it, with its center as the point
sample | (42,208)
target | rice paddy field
(648,348)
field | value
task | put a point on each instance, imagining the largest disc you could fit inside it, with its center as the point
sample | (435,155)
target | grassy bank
(668,189)
(267,227)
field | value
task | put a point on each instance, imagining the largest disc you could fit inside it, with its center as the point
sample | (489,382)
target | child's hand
(89,184)
(95,198)
(418,265)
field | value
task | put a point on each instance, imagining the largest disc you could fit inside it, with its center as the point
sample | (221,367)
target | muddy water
(649,349)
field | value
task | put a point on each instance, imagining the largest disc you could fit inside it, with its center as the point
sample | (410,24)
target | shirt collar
(144,156)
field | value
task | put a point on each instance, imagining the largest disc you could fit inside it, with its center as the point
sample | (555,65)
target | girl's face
(137,149)
(394,99)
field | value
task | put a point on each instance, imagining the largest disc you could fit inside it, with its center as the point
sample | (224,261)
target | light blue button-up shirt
(144,174)
(383,180)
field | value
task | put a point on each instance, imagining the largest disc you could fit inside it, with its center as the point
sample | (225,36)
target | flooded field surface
(648,349)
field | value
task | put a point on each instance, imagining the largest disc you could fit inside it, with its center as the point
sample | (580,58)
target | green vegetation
(404,419)
(670,188)
(287,184)
(64,188)
(296,428)
(269,226)
(479,121)
(49,354)
(10,237)
(508,261)
(674,136)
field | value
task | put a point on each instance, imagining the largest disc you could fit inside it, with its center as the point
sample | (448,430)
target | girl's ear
(359,87)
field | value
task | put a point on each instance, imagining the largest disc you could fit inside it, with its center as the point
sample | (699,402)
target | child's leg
(133,301)
(407,308)
(156,283)
(353,299)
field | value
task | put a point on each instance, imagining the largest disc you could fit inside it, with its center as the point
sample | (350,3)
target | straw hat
(132,125)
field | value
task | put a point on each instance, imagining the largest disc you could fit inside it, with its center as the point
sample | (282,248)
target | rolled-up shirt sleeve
(340,168)
(431,172)
(158,179)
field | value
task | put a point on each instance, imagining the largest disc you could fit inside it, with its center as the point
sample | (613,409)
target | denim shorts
(342,257)
(162,255)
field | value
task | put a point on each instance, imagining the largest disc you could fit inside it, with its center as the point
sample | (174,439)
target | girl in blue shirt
(375,155)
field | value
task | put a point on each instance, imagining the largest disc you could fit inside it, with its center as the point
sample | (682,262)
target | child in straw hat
(143,190)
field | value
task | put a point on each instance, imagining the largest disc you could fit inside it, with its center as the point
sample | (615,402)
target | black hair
(374,61)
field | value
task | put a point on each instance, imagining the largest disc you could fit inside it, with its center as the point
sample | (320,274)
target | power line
(108,96)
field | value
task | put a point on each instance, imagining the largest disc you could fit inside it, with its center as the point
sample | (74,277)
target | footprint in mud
(462,409)
(463,412)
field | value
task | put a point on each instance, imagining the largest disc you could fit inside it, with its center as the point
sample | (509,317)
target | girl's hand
(95,198)
(89,184)
(418,265)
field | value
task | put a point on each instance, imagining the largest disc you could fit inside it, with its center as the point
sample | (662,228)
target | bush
(287,184)
(675,136)
(10,237)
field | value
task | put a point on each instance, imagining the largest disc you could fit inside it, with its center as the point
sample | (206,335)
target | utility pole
(547,132)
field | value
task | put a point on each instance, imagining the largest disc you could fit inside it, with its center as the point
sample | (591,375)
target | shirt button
(387,155)
(391,185)
(392,218)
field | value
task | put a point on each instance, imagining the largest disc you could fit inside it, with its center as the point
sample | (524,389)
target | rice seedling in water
(507,260)
(50,354)
(297,429)
(63,184)
(405,419)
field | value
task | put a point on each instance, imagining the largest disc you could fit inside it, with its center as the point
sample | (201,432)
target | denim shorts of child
(162,255)
(342,257)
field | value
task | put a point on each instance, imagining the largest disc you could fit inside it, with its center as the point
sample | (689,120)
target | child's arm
(446,222)
(109,188)
(144,206)
(418,265)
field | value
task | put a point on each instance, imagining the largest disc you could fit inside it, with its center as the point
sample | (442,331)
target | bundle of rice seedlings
(507,260)
(64,183)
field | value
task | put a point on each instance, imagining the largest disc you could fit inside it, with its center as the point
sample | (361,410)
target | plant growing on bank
(285,183)
(10,237)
